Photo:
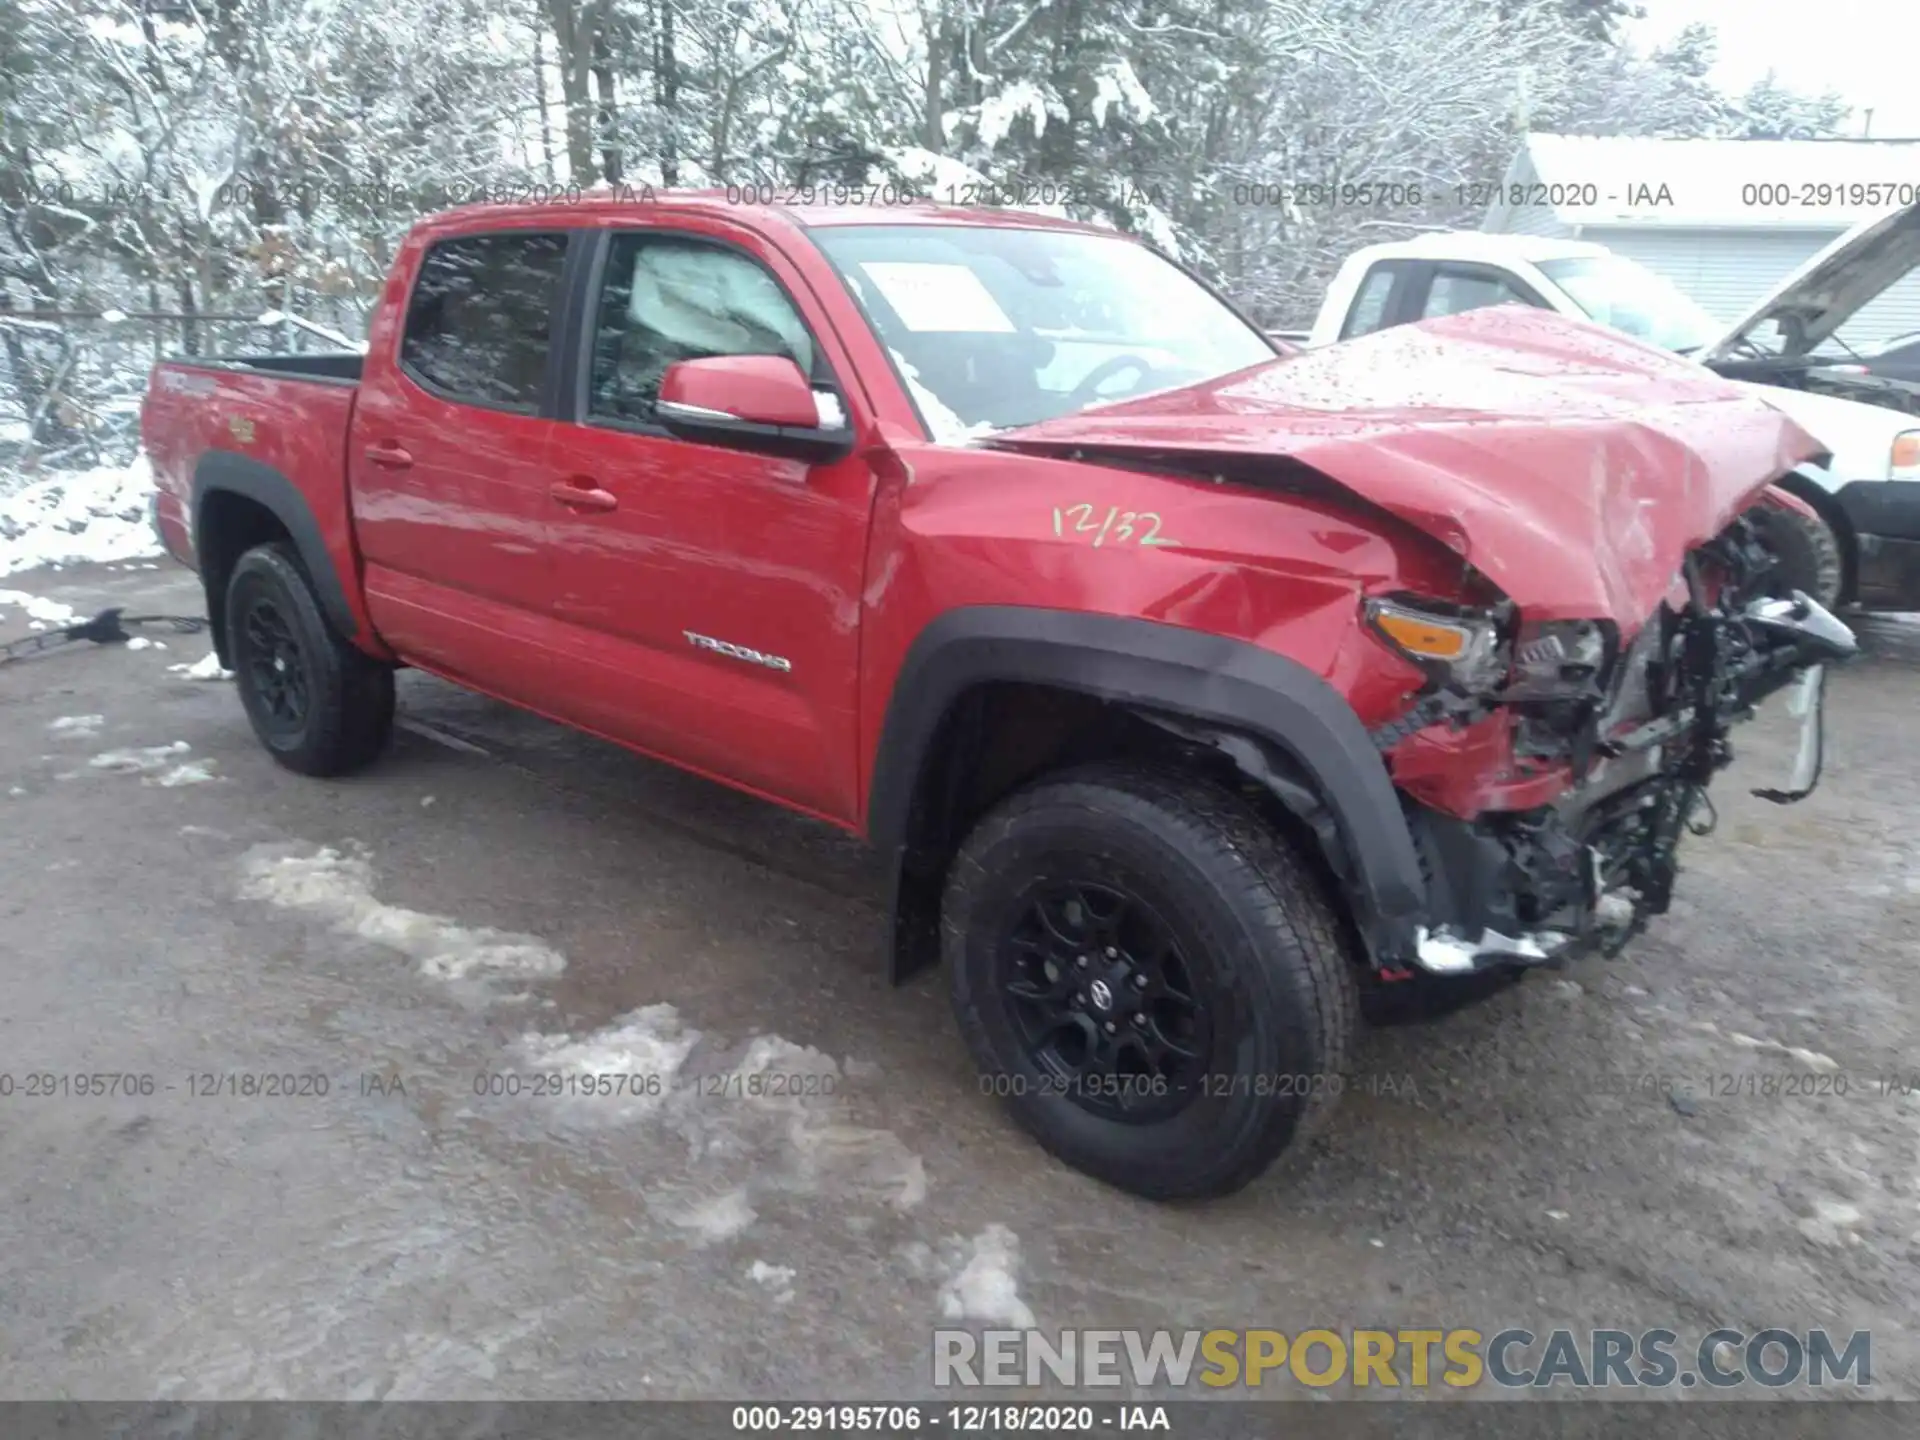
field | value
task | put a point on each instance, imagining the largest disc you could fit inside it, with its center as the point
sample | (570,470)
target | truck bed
(259,413)
(333,366)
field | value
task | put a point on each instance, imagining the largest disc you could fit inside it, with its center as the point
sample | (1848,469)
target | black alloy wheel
(276,668)
(1152,979)
(318,703)
(1102,995)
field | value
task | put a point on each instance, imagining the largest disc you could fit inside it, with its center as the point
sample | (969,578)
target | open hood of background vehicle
(1573,467)
(1829,290)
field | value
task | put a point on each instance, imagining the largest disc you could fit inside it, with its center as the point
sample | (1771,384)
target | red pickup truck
(1190,689)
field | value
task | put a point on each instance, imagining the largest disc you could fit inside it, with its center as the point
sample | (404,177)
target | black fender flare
(223,471)
(1206,680)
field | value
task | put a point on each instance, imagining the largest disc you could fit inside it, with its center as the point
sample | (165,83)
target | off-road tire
(1812,558)
(346,715)
(1272,965)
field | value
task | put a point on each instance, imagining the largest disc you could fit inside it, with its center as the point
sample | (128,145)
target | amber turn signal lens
(1906,450)
(1425,638)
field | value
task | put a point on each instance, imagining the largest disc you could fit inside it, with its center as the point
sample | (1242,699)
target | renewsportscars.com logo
(1457,1359)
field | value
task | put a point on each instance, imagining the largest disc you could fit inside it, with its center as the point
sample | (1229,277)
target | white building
(1725,220)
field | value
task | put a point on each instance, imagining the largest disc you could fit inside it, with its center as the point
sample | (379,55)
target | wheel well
(1802,487)
(228,525)
(998,736)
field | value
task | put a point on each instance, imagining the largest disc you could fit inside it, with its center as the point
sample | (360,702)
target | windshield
(992,328)
(1617,292)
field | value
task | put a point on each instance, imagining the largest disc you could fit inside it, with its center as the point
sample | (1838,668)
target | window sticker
(938,297)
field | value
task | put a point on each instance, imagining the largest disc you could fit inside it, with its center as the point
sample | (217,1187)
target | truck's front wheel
(317,704)
(1149,978)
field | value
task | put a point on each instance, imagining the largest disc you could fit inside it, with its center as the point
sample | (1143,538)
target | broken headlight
(1458,647)
(1560,659)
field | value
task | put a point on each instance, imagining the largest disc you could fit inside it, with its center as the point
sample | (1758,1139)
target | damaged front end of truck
(1617,603)
(1627,731)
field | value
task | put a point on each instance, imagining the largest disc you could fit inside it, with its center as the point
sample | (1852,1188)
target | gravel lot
(501,896)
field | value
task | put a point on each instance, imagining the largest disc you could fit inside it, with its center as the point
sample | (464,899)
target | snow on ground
(155,764)
(69,517)
(779,1104)
(139,761)
(774,1277)
(986,1288)
(1812,1059)
(207,667)
(188,772)
(80,726)
(762,1122)
(40,610)
(337,887)
(720,1218)
(646,1050)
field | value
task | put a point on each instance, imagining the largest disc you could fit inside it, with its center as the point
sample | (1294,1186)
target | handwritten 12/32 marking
(1119,525)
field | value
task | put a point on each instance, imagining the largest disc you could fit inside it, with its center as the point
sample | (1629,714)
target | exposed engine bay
(1824,375)
(1642,728)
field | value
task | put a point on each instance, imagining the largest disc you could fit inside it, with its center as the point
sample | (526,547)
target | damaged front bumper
(1587,872)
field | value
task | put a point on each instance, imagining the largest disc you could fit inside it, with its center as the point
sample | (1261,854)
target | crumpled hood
(1571,466)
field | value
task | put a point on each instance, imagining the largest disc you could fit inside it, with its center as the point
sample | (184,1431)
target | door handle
(579,492)
(390,455)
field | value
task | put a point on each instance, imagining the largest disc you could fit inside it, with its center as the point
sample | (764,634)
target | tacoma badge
(738,652)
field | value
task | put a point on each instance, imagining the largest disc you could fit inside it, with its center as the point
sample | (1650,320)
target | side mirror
(760,403)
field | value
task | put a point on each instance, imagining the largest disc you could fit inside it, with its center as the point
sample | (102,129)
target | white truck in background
(1866,548)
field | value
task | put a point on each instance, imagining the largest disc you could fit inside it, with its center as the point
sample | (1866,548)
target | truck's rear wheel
(1149,978)
(319,705)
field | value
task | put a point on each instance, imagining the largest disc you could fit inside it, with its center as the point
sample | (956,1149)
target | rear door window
(1368,312)
(480,320)
(1455,291)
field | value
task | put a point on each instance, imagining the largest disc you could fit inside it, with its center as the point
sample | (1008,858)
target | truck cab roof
(1499,252)
(1475,245)
(631,202)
